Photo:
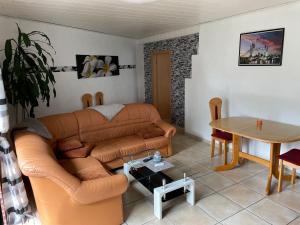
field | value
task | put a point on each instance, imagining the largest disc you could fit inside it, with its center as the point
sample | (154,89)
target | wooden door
(161,83)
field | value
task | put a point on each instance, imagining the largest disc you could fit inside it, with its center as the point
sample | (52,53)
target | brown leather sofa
(63,194)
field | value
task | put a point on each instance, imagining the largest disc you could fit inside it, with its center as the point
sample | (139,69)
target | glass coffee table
(163,187)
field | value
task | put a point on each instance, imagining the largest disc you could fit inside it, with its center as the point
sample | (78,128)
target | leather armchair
(62,198)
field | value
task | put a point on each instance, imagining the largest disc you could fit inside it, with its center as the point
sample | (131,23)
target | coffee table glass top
(151,176)
(155,167)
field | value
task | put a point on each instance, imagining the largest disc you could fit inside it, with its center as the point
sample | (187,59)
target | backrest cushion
(93,127)
(36,158)
(69,144)
(61,126)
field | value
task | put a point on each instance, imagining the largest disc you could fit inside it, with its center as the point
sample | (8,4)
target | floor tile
(176,163)
(189,215)
(186,158)
(218,207)
(164,221)
(287,198)
(214,162)
(178,148)
(237,174)
(169,205)
(174,173)
(242,195)
(202,190)
(139,213)
(244,218)
(132,195)
(295,187)
(295,222)
(273,212)
(197,170)
(200,152)
(258,183)
(216,181)
(253,167)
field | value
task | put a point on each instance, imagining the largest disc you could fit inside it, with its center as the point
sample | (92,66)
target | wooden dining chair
(292,160)
(99,98)
(224,138)
(87,100)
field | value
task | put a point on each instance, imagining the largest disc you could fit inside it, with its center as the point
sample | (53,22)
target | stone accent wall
(182,49)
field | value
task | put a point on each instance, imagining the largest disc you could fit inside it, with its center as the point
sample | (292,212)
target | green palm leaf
(26,74)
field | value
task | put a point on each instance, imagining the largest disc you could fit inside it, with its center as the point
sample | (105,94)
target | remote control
(148,159)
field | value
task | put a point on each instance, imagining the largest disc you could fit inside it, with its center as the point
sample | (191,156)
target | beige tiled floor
(235,197)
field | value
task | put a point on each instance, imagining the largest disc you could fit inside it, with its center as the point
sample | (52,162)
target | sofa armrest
(168,128)
(100,189)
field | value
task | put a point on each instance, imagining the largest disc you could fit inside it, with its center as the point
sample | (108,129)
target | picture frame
(261,48)
(92,66)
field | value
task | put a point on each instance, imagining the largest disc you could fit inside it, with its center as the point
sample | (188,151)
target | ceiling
(128,19)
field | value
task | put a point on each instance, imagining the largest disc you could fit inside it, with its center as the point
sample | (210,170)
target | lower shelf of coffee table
(151,180)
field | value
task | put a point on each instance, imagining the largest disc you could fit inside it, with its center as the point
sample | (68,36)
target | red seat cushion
(222,135)
(292,156)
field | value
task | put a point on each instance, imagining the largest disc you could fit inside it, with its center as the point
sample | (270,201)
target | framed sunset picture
(261,48)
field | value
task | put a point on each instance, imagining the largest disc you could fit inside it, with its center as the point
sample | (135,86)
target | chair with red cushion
(291,159)
(215,105)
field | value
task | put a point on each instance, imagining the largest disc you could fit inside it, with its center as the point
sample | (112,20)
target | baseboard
(180,130)
(198,138)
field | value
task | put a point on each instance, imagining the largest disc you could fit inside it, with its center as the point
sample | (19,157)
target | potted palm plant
(27,75)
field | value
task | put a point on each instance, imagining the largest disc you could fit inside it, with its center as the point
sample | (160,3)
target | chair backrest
(215,106)
(99,98)
(87,100)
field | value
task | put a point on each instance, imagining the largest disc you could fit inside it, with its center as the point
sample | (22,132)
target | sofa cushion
(106,151)
(61,126)
(69,144)
(150,131)
(157,142)
(132,145)
(82,152)
(112,149)
(84,168)
(94,127)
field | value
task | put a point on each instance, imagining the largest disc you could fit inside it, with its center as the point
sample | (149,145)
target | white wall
(140,54)
(68,42)
(265,92)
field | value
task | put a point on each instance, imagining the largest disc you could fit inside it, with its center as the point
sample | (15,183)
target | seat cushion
(292,156)
(68,144)
(150,131)
(82,152)
(84,168)
(112,149)
(157,142)
(222,135)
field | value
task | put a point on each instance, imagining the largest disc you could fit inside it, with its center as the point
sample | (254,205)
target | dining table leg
(273,150)
(236,144)
(274,166)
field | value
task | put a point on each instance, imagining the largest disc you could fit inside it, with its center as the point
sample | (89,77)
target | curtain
(14,197)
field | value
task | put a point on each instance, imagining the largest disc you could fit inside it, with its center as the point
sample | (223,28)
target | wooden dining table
(271,132)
